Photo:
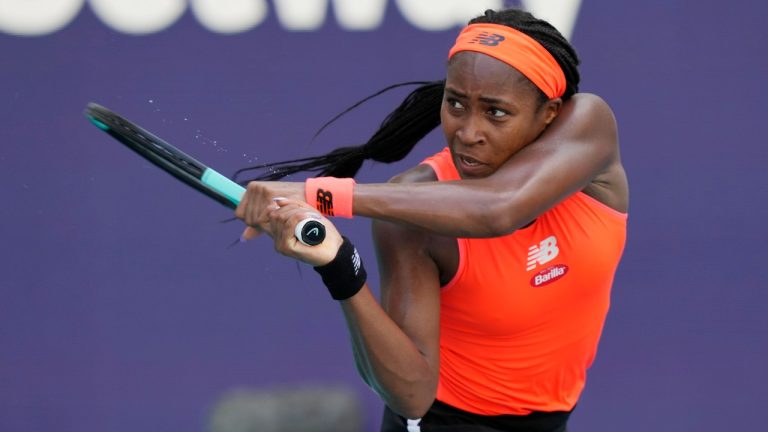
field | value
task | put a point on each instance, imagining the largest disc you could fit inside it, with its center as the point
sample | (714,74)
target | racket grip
(310,231)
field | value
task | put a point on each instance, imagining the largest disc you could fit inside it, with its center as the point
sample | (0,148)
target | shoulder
(404,252)
(597,119)
(385,233)
(585,125)
(418,174)
(591,103)
(590,114)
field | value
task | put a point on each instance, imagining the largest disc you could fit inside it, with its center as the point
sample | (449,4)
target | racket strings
(153,144)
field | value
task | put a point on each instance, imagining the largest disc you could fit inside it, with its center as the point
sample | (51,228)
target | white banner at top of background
(140,17)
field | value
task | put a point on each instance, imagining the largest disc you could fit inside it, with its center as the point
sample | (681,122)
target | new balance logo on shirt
(542,253)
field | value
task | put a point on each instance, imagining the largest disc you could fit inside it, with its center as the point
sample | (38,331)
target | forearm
(387,358)
(470,208)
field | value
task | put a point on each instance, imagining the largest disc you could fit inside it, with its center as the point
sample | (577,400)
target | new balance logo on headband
(488,39)
(324,202)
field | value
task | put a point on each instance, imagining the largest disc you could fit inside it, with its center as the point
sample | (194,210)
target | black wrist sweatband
(345,275)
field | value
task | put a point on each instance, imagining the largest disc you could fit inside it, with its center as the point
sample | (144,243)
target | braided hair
(419,113)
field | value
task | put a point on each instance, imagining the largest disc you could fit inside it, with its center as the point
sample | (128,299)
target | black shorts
(442,417)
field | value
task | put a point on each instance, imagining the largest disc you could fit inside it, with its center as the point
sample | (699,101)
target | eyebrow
(485,99)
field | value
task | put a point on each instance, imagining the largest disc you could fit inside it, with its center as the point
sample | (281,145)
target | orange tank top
(521,319)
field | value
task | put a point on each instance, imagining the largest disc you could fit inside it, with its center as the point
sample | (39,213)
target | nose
(470,131)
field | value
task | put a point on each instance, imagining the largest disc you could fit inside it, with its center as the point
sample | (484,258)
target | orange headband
(516,49)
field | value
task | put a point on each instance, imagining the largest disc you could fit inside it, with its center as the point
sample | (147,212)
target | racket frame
(167,157)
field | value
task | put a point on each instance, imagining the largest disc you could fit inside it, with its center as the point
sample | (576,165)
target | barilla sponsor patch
(549,275)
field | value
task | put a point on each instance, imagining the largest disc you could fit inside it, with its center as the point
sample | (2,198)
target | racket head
(154,149)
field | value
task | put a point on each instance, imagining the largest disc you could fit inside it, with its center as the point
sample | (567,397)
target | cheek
(447,123)
(443,118)
(510,140)
(528,129)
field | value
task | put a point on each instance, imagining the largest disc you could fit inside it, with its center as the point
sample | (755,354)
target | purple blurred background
(122,309)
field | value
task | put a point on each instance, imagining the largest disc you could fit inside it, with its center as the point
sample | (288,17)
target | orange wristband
(331,196)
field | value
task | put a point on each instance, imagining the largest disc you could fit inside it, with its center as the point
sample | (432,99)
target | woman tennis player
(496,255)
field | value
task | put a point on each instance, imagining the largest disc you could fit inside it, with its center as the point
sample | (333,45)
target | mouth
(469,166)
(469,161)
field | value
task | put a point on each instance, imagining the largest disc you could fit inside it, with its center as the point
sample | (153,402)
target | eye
(454,103)
(497,113)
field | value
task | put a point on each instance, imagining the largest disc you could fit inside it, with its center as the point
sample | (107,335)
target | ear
(552,109)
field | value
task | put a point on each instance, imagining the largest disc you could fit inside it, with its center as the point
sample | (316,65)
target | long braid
(416,116)
(419,113)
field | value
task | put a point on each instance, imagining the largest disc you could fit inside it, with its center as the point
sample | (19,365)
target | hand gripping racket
(184,167)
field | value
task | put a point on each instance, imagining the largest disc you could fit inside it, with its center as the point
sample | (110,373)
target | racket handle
(310,231)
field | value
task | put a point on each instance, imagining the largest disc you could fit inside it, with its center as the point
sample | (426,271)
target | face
(489,112)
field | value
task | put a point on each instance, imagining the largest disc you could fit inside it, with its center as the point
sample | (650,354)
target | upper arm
(410,286)
(580,145)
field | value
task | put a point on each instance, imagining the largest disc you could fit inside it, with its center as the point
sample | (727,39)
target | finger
(280,217)
(308,211)
(268,214)
(253,200)
(249,233)
(241,211)
(283,225)
(282,201)
(278,203)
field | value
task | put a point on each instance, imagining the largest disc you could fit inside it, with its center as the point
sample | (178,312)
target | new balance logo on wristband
(324,202)
(356,262)
(488,39)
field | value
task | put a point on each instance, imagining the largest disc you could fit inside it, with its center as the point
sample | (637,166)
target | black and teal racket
(184,167)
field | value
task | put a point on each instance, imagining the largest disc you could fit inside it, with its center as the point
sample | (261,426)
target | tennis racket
(184,167)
